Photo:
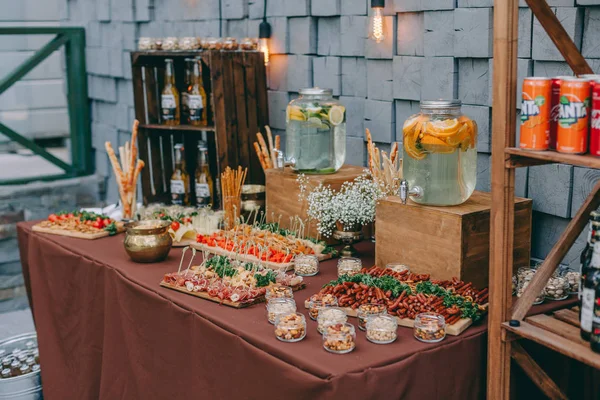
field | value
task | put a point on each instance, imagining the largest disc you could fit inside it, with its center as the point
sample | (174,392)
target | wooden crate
(446,242)
(283,190)
(235,84)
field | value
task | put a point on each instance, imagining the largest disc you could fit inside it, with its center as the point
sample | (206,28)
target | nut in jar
(430,327)
(382,329)
(279,291)
(290,327)
(330,316)
(306,265)
(318,301)
(365,311)
(339,338)
(349,266)
(525,276)
(279,306)
(397,267)
(557,288)
(573,278)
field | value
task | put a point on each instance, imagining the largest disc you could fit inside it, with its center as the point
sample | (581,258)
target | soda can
(555,104)
(595,120)
(535,113)
(573,116)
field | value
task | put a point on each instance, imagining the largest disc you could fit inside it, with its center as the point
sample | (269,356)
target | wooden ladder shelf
(559,332)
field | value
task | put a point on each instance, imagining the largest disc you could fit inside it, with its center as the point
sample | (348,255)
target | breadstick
(260,156)
(278,142)
(133,153)
(271,152)
(394,152)
(118,175)
(265,149)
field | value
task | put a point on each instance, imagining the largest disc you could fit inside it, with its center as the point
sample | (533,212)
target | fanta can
(555,106)
(595,120)
(535,113)
(573,116)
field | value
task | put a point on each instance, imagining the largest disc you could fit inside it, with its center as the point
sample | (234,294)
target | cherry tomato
(98,224)
(64,216)
(106,222)
(161,215)
(70,215)
(175,225)
(98,219)
(187,220)
(52,218)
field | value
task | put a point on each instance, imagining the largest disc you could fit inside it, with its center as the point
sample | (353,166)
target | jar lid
(435,104)
(316,91)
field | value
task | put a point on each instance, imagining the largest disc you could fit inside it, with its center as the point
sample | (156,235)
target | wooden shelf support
(560,249)
(535,372)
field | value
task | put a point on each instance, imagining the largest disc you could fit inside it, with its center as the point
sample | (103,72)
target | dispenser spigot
(405,191)
(282,162)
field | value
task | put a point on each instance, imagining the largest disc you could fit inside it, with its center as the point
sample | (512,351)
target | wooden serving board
(183,243)
(75,234)
(455,329)
(234,304)
(248,258)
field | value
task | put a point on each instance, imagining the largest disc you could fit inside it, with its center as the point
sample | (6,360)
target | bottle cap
(514,323)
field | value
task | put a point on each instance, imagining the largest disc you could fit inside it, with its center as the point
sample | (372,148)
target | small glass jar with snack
(189,43)
(525,276)
(349,266)
(306,265)
(249,44)
(230,43)
(213,44)
(278,292)
(290,327)
(573,278)
(146,43)
(397,267)
(330,316)
(170,43)
(430,327)
(365,311)
(382,329)
(318,301)
(557,288)
(279,306)
(339,338)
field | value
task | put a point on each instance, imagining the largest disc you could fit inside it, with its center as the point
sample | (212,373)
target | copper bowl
(148,241)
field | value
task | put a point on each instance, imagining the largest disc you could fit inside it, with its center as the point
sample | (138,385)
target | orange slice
(443,128)
(436,145)
(460,136)
(410,146)
(410,123)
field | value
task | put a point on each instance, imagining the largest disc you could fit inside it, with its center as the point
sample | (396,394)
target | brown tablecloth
(107,330)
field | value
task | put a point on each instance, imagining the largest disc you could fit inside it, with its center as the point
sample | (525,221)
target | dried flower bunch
(385,170)
(354,204)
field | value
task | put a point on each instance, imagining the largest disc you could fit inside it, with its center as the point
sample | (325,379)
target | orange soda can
(555,104)
(573,116)
(535,113)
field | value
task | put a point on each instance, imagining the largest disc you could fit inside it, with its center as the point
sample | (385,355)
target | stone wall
(433,48)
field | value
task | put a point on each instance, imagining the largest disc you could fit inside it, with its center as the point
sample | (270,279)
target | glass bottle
(203,180)
(586,254)
(180,180)
(197,97)
(588,292)
(187,81)
(595,334)
(169,99)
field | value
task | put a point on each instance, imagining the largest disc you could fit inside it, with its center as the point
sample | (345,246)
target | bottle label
(587,309)
(196,106)
(202,193)
(177,191)
(168,107)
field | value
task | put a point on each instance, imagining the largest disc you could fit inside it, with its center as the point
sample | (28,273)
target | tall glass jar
(316,132)
(440,153)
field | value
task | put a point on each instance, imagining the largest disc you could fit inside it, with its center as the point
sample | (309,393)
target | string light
(376,23)
(264,33)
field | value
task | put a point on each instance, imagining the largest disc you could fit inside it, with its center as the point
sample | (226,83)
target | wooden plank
(144,155)
(506,21)
(261,90)
(220,114)
(139,97)
(234,304)
(75,234)
(453,330)
(243,134)
(574,350)
(231,116)
(559,36)
(257,174)
(568,316)
(521,158)
(153,87)
(556,326)
(159,181)
(568,237)
(535,372)
(170,128)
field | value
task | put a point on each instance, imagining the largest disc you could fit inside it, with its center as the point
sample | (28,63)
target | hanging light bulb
(376,28)
(264,33)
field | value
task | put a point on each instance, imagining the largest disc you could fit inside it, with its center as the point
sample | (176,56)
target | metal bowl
(253,198)
(24,387)
(148,241)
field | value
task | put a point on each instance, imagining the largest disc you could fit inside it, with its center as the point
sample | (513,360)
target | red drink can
(535,113)
(595,120)
(573,116)
(555,108)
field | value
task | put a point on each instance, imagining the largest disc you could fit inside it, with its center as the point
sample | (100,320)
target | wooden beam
(535,372)
(559,36)
(560,249)
(506,21)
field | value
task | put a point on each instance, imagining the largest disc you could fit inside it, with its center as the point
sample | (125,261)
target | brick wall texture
(433,49)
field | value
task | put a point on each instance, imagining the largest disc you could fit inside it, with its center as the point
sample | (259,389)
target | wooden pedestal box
(446,242)
(283,190)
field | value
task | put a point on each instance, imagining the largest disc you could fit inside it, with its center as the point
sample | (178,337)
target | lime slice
(336,115)
(314,122)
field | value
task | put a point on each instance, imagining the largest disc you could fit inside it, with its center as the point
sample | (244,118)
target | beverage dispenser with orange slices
(439,166)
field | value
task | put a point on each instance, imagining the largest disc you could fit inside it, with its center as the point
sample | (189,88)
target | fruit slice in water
(443,128)
(336,115)
(436,145)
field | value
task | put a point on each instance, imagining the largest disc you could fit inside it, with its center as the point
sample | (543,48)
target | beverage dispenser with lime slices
(316,132)
(439,166)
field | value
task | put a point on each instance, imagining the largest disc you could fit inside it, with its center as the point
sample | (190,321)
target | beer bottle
(595,335)
(180,180)
(588,291)
(169,99)
(185,113)
(203,179)
(197,97)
